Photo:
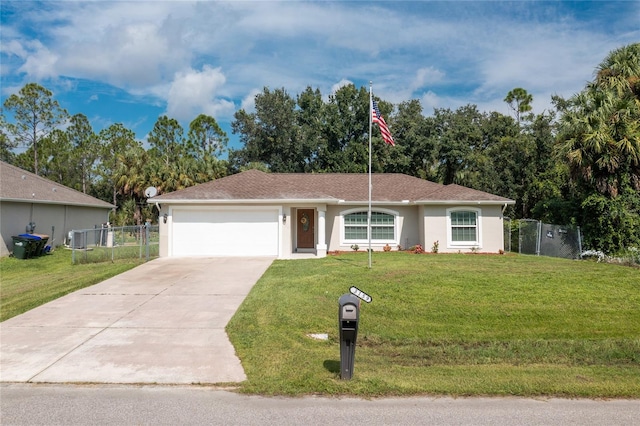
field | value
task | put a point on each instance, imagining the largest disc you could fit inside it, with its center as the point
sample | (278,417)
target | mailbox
(348,318)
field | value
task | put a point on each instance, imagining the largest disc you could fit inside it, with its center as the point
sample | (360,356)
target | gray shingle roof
(389,187)
(22,186)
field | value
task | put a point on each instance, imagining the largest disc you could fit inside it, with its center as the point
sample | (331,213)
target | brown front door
(306,228)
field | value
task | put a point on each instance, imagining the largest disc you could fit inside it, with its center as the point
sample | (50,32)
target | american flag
(376,117)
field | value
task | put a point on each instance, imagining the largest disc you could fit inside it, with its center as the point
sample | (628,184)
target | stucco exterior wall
(407,232)
(54,220)
(414,225)
(434,224)
(163,231)
(493,229)
(436,228)
(421,225)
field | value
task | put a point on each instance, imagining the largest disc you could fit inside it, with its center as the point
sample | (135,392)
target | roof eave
(325,201)
(61,203)
(466,202)
(375,202)
(244,201)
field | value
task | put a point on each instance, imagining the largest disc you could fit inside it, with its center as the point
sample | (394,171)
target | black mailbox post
(348,318)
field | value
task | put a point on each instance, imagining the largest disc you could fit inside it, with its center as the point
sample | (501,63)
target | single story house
(282,214)
(33,204)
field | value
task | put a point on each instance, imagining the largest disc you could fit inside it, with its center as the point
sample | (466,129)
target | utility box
(348,319)
(77,239)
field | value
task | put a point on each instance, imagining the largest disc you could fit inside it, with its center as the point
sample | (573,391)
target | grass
(28,283)
(438,324)
(445,324)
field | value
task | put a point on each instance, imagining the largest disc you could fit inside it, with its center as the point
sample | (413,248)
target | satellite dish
(150,192)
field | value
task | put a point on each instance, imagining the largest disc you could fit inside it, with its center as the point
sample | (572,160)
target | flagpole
(370,130)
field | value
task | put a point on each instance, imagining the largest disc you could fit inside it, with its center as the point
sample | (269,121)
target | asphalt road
(38,404)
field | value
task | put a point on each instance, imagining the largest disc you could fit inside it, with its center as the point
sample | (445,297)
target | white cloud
(425,76)
(39,63)
(194,92)
(338,85)
(13,47)
(128,56)
(549,58)
(447,54)
(130,45)
(429,102)
(249,102)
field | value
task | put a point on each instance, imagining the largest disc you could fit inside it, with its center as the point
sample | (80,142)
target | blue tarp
(33,237)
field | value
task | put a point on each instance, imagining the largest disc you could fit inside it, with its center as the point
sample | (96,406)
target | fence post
(139,237)
(579,243)
(113,243)
(520,236)
(539,239)
(147,227)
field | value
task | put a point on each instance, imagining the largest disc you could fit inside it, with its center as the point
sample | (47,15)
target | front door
(306,228)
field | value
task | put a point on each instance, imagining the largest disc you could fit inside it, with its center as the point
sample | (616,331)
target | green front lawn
(454,324)
(27,283)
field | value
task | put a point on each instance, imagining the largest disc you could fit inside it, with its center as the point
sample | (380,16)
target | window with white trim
(463,227)
(383,227)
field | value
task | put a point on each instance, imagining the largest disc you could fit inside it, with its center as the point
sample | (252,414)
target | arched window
(383,227)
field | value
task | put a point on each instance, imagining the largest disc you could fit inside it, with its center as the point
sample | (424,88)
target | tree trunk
(35,151)
(115,200)
(137,212)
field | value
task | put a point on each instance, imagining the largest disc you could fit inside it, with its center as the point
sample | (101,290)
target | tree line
(111,164)
(577,163)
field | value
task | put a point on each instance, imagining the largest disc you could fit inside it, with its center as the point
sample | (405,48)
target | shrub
(628,257)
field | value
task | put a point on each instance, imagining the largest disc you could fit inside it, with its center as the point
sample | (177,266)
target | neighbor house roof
(254,185)
(19,185)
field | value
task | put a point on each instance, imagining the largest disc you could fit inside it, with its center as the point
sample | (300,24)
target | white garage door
(223,232)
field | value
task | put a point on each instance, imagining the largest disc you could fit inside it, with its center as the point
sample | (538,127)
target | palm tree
(600,140)
(114,140)
(620,71)
(600,128)
(131,178)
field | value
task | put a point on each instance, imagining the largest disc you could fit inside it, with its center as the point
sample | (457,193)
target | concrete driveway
(161,322)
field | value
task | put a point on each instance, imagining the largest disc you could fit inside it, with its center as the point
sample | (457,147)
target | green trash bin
(21,247)
(34,244)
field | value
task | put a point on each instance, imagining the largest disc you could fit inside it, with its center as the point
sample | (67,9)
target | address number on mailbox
(361,294)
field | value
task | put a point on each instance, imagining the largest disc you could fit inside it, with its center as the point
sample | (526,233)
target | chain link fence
(542,239)
(107,243)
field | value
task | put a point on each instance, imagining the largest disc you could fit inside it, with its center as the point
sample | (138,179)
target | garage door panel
(225,233)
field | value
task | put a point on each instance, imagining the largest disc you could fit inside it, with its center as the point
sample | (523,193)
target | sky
(130,62)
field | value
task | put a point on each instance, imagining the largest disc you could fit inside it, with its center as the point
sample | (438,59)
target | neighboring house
(280,214)
(27,200)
